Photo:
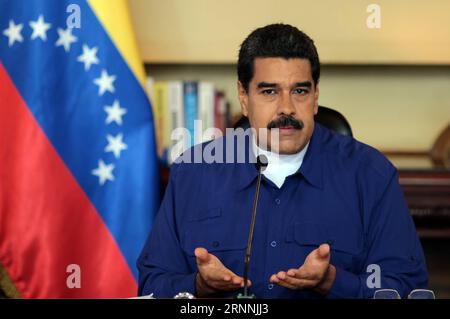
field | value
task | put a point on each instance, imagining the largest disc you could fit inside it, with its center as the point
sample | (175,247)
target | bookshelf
(391,83)
(391,107)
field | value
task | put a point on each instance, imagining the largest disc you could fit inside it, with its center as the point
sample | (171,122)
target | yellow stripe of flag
(115,17)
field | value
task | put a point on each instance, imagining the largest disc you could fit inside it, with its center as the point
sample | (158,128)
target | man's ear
(316,99)
(243,98)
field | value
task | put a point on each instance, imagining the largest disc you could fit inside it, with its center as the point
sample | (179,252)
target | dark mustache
(286,121)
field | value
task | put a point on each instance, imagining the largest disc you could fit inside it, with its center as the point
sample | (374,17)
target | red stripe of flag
(46,220)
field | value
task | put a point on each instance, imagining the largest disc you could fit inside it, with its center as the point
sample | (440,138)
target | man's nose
(285,104)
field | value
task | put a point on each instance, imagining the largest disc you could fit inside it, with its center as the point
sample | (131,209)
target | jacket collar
(311,168)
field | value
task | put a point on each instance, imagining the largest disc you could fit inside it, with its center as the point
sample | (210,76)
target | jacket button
(215,244)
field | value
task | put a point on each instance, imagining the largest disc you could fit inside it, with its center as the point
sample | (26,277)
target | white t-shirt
(280,166)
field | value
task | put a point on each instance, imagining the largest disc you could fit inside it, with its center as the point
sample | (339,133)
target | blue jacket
(345,193)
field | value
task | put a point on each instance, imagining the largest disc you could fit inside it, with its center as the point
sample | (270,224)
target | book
(191,108)
(206,100)
(176,112)
(162,120)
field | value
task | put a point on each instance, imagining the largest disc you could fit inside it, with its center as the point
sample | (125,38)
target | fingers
(324,251)
(293,272)
(232,283)
(238,281)
(202,255)
(291,280)
(301,273)
(215,274)
(228,280)
(233,279)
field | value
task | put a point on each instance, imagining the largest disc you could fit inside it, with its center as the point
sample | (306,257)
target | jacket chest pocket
(223,238)
(304,237)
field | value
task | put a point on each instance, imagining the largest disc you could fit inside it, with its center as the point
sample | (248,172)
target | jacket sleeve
(393,248)
(163,268)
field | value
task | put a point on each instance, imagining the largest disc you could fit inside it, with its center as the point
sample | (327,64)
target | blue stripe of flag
(66,103)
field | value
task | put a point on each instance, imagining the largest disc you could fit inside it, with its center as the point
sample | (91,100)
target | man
(331,220)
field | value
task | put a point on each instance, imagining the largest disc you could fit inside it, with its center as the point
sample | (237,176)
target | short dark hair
(272,41)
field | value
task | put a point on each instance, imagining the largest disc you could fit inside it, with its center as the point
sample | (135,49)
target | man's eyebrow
(305,83)
(261,85)
(266,85)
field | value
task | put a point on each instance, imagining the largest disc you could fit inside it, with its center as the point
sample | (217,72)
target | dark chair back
(333,120)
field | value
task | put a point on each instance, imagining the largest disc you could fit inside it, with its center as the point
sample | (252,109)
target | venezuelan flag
(78,164)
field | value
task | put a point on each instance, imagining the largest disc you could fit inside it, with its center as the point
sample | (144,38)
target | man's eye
(300,91)
(269,92)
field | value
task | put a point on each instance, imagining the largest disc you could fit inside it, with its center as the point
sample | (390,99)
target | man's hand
(213,276)
(316,273)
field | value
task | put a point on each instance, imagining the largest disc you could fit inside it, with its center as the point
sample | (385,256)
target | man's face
(281,94)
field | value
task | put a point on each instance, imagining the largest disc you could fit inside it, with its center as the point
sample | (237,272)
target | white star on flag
(39,28)
(115,113)
(105,83)
(115,144)
(13,32)
(88,57)
(103,172)
(66,38)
